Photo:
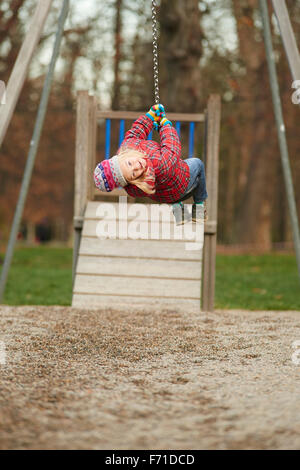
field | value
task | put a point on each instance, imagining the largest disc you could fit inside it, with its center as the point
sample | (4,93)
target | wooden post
(84,163)
(213,118)
(92,146)
(19,73)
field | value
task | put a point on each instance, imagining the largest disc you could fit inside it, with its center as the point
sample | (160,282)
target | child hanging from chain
(146,169)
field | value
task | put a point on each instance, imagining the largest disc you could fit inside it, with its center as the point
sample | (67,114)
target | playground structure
(145,378)
(146,271)
(86,133)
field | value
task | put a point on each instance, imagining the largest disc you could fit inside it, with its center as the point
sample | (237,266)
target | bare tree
(180,53)
(117,57)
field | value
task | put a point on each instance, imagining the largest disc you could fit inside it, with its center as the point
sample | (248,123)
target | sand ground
(147,379)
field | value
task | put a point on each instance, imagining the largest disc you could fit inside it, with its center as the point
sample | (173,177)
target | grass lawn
(264,282)
(40,276)
(43,276)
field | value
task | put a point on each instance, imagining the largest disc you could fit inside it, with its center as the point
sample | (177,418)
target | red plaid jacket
(172,174)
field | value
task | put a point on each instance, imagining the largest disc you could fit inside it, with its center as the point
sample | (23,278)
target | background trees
(205,46)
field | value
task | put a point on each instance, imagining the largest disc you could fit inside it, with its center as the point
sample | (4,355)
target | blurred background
(205,47)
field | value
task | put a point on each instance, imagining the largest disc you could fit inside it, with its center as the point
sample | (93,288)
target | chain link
(155,51)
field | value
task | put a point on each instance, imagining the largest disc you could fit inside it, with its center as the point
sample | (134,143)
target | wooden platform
(134,254)
(162,270)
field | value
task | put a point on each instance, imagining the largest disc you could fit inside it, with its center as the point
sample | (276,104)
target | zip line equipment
(293,57)
(33,148)
(155,51)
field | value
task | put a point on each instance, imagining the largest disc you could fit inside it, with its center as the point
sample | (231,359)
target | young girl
(145,168)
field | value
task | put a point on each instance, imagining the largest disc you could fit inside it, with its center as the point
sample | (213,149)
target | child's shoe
(180,213)
(199,213)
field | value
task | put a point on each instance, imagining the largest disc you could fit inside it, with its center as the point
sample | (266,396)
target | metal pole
(33,149)
(281,130)
(288,37)
(19,72)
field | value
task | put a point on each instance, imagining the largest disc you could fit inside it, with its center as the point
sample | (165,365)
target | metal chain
(155,51)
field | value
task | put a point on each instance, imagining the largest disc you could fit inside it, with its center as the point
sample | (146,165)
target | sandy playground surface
(144,379)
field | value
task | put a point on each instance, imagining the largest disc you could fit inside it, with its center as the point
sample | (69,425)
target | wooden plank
(209,273)
(117,285)
(288,37)
(83,149)
(133,115)
(91,157)
(212,164)
(212,178)
(170,269)
(19,73)
(91,213)
(209,226)
(82,152)
(85,157)
(90,301)
(112,194)
(145,249)
(150,230)
(96,210)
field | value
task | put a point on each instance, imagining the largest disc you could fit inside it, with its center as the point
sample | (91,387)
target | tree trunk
(180,47)
(257,136)
(117,58)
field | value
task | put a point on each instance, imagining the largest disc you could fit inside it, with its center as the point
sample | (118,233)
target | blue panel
(191,139)
(122,131)
(107,138)
(150,136)
(177,127)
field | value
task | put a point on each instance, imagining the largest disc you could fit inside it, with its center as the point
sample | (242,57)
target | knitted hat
(108,175)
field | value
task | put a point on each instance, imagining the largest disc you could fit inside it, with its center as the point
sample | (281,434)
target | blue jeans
(197,184)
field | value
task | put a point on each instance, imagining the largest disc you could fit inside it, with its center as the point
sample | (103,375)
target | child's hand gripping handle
(158,115)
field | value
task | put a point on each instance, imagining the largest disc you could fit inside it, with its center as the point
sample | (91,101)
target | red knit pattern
(172,174)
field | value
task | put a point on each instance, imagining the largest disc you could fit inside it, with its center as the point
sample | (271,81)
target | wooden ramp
(149,270)
(134,254)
